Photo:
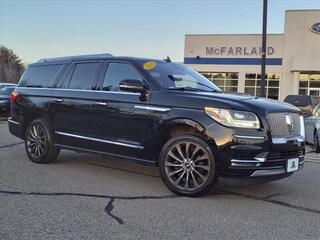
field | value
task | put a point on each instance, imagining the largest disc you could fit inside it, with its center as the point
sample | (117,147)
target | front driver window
(116,72)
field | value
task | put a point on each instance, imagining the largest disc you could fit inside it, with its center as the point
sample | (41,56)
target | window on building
(84,75)
(309,83)
(253,81)
(227,81)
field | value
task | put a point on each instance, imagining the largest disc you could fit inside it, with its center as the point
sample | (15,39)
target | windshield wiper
(175,79)
(185,89)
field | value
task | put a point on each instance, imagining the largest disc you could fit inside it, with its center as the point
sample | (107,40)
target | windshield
(175,76)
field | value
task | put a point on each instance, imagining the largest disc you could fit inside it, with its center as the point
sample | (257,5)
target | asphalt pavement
(82,196)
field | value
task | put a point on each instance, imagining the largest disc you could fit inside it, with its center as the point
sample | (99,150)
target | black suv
(154,112)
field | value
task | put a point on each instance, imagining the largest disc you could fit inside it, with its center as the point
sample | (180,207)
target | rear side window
(84,76)
(117,72)
(39,76)
(299,101)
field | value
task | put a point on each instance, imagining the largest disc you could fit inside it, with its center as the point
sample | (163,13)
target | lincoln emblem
(289,122)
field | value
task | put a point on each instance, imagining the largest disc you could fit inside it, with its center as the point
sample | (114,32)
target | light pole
(264,49)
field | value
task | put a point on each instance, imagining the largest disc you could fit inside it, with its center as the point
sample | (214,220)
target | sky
(35,29)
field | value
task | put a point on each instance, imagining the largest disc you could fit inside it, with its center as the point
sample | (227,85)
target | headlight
(234,118)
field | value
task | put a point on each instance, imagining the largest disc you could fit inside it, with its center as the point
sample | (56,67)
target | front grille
(280,124)
(284,155)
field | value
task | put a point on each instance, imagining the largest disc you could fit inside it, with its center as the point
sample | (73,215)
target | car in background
(3,85)
(306,103)
(5,99)
(313,129)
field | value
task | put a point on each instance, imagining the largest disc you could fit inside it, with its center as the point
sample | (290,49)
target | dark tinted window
(39,76)
(84,75)
(117,72)
(299,101)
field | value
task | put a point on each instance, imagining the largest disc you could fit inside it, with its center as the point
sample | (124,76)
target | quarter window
(117,72)
(84,76)
(39,76)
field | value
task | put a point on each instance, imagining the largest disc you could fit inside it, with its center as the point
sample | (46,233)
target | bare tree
(11,66)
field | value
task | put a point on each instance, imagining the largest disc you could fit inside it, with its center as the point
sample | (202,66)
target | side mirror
(132,85)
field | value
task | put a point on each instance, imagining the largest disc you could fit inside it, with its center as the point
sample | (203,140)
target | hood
(231,101)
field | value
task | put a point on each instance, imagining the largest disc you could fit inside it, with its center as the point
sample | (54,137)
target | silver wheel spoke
(171,154)
(179,178)
(203,167)
(195,151)
(168,164)
(203,157)
(179,151)
(186,185)
(196,184)
(200,175)
(187,149)
(174,172)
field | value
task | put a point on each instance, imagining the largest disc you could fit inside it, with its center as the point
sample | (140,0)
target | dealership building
(232,61)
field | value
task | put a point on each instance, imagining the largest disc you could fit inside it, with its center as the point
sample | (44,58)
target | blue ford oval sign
(315,27)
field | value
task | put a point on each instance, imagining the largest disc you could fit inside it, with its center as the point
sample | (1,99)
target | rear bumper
(15,128)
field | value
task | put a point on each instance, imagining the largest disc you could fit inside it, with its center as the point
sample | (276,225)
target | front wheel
(39,143)
(316,143)
(187,166)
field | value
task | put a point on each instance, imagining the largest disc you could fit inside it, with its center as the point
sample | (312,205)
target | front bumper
(256,156)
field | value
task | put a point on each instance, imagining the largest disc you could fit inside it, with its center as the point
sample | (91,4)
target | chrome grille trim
(279,127)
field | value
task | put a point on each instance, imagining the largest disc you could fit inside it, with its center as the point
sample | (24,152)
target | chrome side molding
(152,108)
(100,140)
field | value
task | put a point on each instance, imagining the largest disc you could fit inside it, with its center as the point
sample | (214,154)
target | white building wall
(298,47)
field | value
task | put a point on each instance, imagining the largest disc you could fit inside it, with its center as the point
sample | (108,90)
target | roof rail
(103,55)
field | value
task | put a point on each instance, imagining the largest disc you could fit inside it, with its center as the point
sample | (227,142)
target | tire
(39,143)
(189,172)
(316,143)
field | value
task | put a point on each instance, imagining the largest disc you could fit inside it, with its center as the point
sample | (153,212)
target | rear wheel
(316,143)
(39,143)
(187,166)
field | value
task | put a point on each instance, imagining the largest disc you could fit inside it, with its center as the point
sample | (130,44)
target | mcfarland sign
(237,51)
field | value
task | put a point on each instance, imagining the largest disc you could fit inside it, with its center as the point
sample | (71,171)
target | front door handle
(57,100)
(102,103)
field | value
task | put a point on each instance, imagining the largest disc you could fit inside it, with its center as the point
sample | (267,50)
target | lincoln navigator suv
(154,112)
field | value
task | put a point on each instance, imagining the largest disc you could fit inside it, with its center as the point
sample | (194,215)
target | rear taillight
(13,97)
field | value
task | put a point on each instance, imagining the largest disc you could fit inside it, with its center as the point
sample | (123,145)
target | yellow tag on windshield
(149,65)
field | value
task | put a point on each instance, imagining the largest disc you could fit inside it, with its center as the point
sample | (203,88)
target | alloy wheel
(187,165)
(36,141)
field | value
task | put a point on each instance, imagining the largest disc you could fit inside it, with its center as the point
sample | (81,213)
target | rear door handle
(57,100)
(102,103)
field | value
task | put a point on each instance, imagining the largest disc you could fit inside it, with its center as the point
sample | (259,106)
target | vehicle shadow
(225,185)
